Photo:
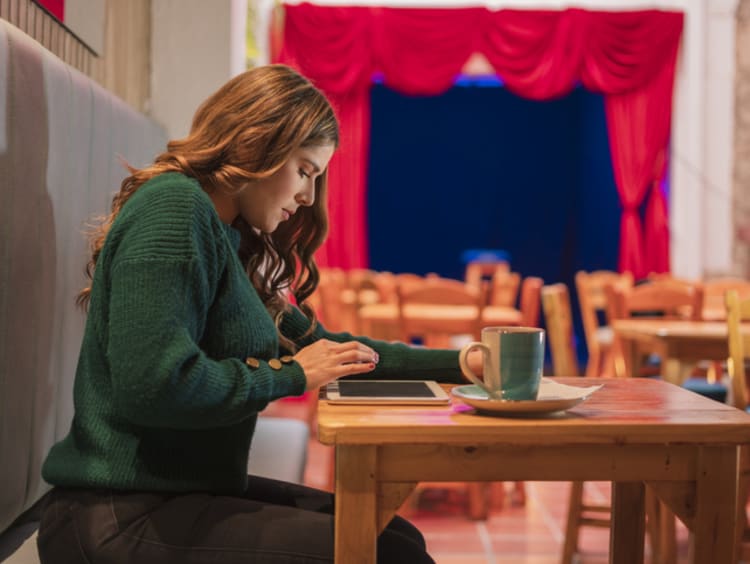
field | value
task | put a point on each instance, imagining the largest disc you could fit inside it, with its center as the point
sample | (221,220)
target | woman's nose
(307,196)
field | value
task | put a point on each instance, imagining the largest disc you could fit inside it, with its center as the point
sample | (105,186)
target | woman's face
(266,203)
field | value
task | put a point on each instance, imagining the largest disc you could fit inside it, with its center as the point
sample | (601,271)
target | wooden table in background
(679,344)
(631,432)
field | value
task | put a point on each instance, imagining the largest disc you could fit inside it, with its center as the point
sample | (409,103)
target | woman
(189,335)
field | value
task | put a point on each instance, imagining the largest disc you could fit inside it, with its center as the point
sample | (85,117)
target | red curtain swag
(629,57)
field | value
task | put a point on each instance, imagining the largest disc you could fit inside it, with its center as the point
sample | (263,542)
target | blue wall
(479,167)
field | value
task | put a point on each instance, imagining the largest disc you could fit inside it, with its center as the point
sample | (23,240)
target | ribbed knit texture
(163,398)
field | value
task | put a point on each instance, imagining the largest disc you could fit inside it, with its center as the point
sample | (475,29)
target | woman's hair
(246,131)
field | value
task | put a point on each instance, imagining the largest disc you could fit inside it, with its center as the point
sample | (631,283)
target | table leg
(627,357)
(715,511)
(676,371)
(356,517)
(628,523)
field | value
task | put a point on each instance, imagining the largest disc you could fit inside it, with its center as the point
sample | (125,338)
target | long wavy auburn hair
(246,131)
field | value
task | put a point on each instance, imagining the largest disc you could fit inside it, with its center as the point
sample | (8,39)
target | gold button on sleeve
(274,363)
(252,362)
(287,359)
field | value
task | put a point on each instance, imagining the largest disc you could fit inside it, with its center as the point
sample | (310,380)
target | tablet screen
(386,391)
(381,389)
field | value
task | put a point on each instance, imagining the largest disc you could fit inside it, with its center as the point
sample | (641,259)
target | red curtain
(628,56)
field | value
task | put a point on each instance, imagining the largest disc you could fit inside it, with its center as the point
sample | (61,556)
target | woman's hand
(325,361)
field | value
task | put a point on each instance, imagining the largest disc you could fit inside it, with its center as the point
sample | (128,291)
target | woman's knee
(397,548)
(401,525)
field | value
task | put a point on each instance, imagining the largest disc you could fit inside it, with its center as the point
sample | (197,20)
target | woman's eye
(303,174)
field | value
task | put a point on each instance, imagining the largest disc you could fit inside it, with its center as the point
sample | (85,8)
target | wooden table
(381,320)
(679,344)
(631,432)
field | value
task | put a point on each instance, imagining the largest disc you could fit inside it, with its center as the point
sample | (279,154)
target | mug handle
(468,372)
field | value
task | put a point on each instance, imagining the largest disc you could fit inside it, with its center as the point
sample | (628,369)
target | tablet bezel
(439,396)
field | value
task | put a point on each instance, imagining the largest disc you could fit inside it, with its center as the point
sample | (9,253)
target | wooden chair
(335,314)
(528,311)
(560,336)
(737,311)
(478,271)
(531,301)
(361,290)
(673,299)
(405,281)
(714,309)
(381,320)
(714,293)
(504,289)
(558,317)
(665,299)
(386,283)
(436,309)
(581,513)
(592,299)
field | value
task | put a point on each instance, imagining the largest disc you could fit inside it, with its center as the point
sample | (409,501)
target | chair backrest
(478,271)
(434,297)
(362,286)
(560,336)
(661,298)
(714,292)
(531,298)
(592,298)
(333,312)
(439,291)
(504,288)
(359,276)
(738,310)
(386,283)
(408,280)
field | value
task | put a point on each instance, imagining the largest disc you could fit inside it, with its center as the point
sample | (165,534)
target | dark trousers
(274,522)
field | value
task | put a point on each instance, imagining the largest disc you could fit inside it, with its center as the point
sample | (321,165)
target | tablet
(403,392)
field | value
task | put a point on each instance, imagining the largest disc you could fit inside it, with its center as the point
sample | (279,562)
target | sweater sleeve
(161,377)
(398,361)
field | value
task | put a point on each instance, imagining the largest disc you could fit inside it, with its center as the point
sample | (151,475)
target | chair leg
(575,508)
(497,496)
(607,363)
(594,364)
(518,498)
(742,521)
(478,493)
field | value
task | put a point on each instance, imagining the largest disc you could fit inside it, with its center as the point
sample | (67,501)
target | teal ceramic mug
(513,362)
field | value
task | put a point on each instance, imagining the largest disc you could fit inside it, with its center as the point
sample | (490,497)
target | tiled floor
(528,534)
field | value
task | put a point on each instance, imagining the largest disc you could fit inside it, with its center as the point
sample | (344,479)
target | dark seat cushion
(715,391)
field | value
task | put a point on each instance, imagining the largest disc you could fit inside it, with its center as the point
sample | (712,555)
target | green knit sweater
(164,400)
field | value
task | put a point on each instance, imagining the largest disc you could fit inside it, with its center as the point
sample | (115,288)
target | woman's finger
(358,356)
(353,368)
